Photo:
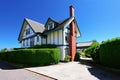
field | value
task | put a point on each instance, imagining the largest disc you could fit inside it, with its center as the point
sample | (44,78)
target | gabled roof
(63,24)
(49,20)
(35,26)
(39,28)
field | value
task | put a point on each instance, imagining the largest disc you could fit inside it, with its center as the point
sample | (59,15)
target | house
(62,33)
(84,45)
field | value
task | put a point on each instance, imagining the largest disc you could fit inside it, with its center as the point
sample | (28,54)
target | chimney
(72,40)
(71,11)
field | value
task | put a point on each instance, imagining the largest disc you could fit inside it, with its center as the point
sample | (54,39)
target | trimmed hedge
(43,46)
(110,53)
(32,56)
(93,51)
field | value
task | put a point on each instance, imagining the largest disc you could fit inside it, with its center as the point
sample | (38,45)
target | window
(68,28)
(50,25)
(27,31)
(37,38)
(31,42)
(67,38)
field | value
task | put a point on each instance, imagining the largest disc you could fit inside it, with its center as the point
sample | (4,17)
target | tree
(3,50)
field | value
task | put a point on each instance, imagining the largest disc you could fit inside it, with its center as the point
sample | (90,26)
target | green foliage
(77,56)
(93,51)
(67,58)
(3,50)
(44,46)
(17,48)
(83,54)
(110,53)
(32,56)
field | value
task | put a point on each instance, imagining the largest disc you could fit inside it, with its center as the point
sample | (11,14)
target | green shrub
(83,55)
(67,58)
(43,46)
(77,56)
(17,48)
(110,53)
(4,50)
(32,56)
(93,51)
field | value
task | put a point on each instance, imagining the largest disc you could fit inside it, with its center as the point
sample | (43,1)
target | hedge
(43,46)
(32,56)
(93,51)
(110,53)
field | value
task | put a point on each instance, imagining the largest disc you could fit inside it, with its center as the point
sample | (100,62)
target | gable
(35,27)
(78,33)
(50,24)
(25,26)
(28,31)
(63,24)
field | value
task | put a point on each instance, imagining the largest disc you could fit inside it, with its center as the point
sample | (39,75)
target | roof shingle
(36,26)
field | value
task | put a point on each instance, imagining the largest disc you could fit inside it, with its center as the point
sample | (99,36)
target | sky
(97,19)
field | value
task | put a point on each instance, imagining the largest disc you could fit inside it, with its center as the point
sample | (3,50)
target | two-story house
(62,33)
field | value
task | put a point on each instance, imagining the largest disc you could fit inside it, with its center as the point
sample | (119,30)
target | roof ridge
(53,19)
(27,19)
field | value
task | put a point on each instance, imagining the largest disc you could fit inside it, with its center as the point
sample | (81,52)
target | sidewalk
(76,71)
(66,71)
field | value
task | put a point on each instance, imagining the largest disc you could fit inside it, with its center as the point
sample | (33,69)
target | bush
(43,46)
(67,58)
(4,50)
(93,51)
(83,55)
(32,56)
(110,53)
(77,56)
(17,48)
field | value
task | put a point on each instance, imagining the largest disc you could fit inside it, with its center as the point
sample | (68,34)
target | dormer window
(50,25)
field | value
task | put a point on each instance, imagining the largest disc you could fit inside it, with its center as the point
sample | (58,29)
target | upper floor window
(27,31)
(67,38)
(50,25)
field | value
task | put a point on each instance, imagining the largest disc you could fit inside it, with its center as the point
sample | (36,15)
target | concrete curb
(41,74)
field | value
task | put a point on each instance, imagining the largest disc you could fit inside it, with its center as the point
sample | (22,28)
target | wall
(68,32)
(26,42)
(55,38)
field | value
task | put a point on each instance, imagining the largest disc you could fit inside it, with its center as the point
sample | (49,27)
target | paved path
(10,73)
(76,71)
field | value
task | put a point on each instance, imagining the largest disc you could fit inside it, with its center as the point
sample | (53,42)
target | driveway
(76,71)
(8,72)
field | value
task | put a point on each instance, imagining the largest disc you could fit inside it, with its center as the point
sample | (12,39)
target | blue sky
(97,19)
